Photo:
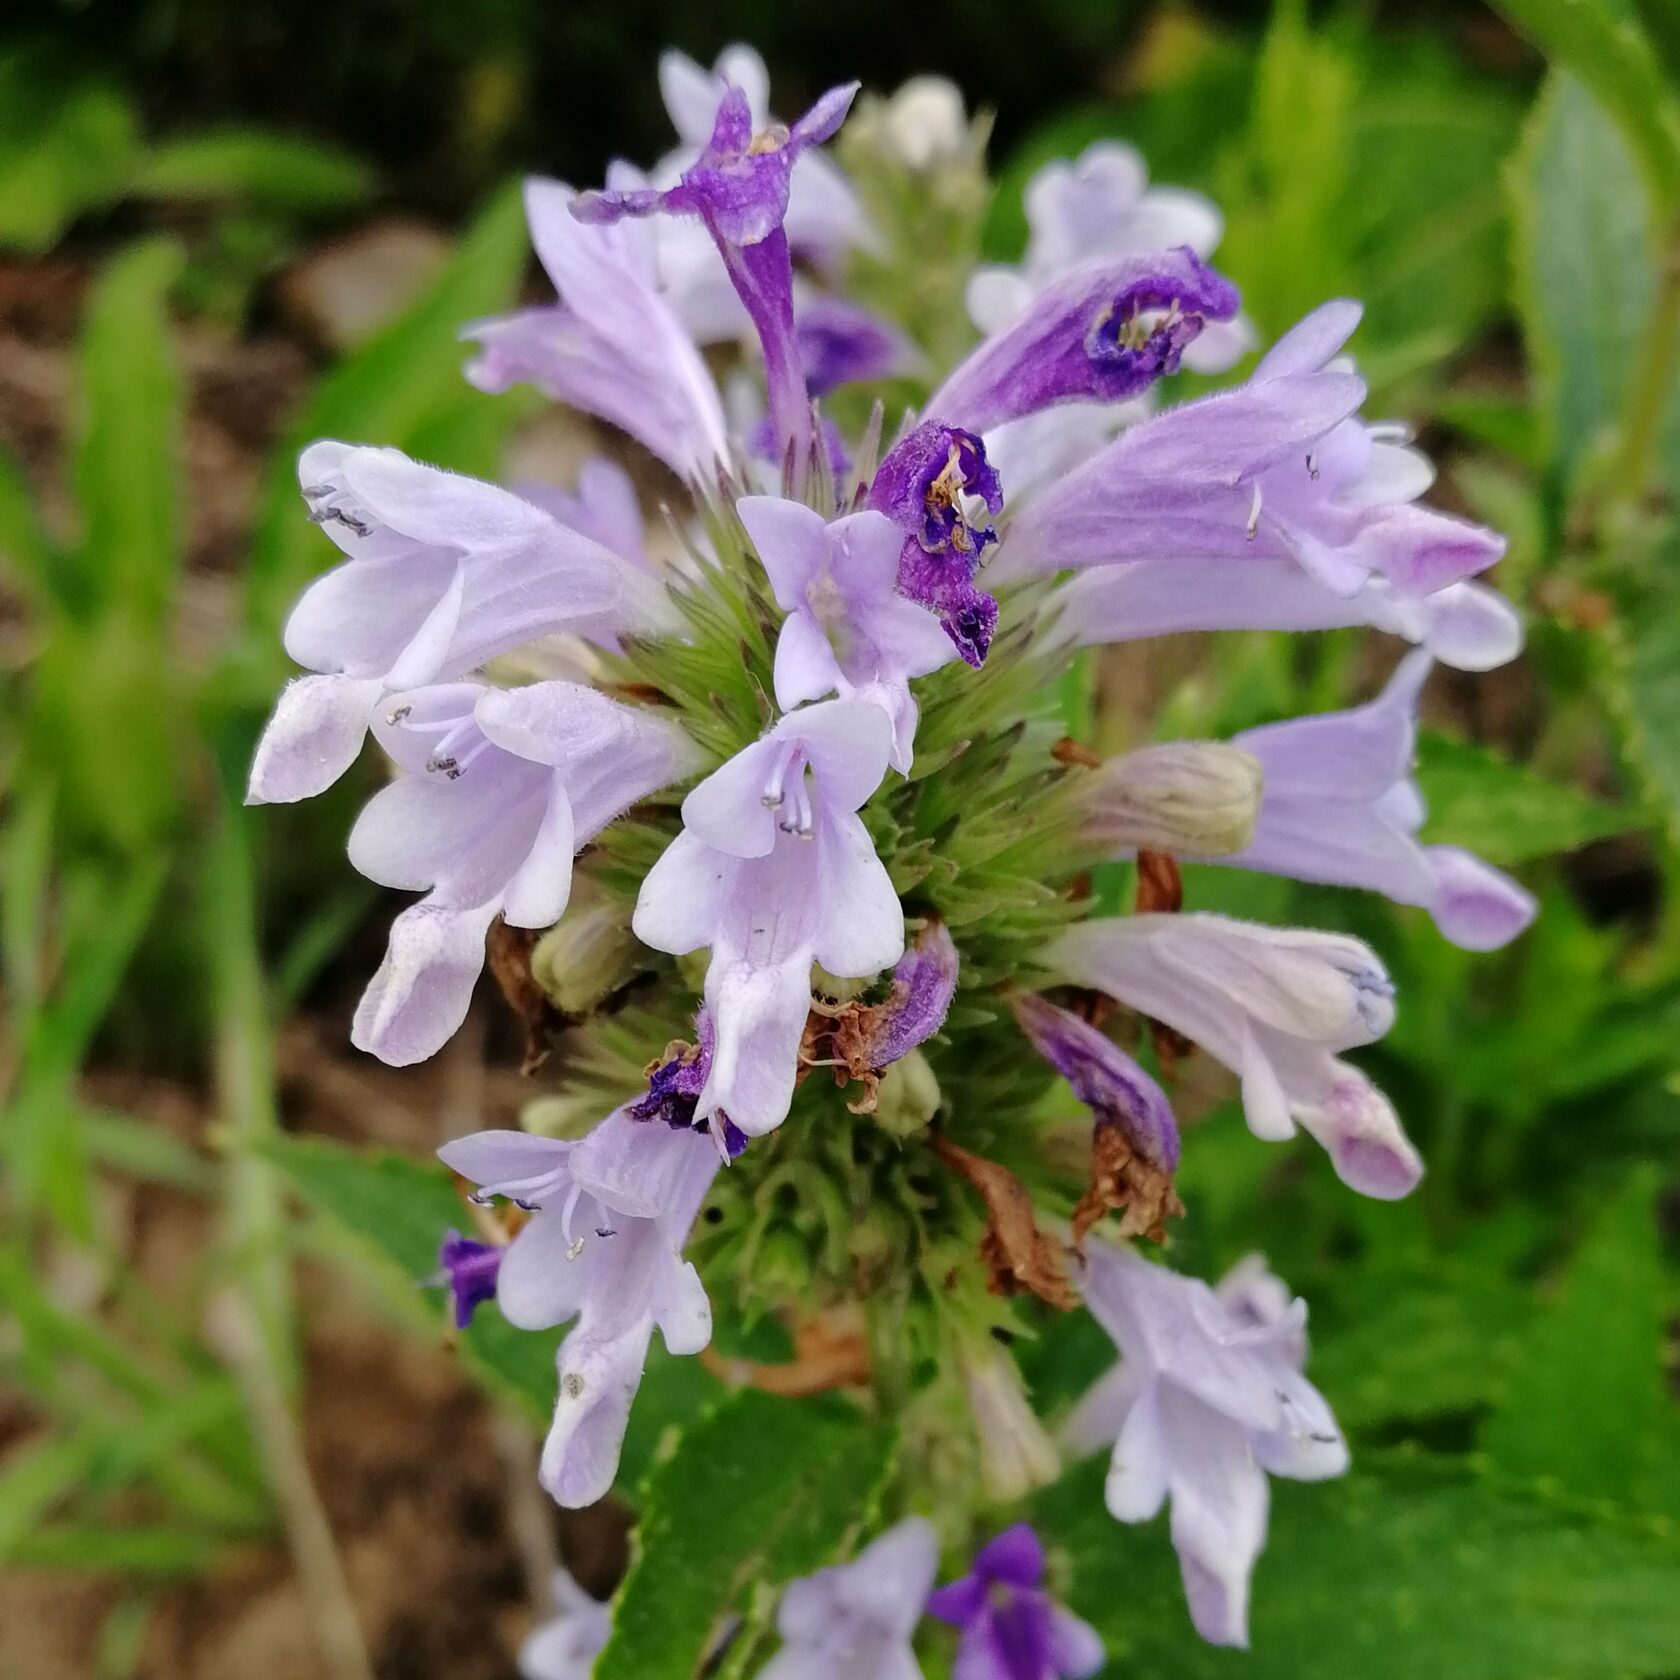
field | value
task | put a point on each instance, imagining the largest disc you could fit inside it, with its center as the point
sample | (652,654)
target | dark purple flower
(469,1268)
(738,187)
(674,1089)
(1011,1628)
(923,985)
(840,343)
(922,485)
(1103,333)
(1109,1083)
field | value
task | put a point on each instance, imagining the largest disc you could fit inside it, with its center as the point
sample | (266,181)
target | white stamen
(1253,527)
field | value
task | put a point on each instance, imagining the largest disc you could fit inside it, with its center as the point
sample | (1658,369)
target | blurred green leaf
(67,143)
(1602,43)
(141,1550)
(404,380)
(284,171)
(24,547)
(1400,1570)
(758,1490)
(127,470)
(1414,1342)
(1585,267)
(398,1210)
(1502,811)
(1587,1406)
(1645,691)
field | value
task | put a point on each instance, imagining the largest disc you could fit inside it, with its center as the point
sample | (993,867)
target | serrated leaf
(404,383)
(759,1490)
(1585,266)
(1587,1405)
(1505,812)
(1401,1570)
(1602,43)
(252,163)
(400,1210)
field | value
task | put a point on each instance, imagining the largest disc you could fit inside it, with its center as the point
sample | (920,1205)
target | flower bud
(1191,798)
(587,957)
(908,1097)
(1016,1455)
(925,124)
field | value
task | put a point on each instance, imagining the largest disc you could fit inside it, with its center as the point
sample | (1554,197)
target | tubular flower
(1207,1400)
(739,188)
(1274,1005)
(1096,206)
(822,704)
(603,1247)
(854,1621)
(774,871)
(442,573)
(1011,1628)
(1340,807)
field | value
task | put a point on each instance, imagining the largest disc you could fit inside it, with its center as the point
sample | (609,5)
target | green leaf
(1602,43)
(1585,266)
(66,146)
(1645,658)
(1414,1342)
(402,385)
(1403,1569)
(281,170)
(398,1211)
(758,1491)
(1587,1405)
(127,470)
(24,548)
(1502,811)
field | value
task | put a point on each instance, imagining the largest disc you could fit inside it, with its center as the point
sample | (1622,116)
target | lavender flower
(1276,469)
(1340,807)
(924,486)
(443,572)
(1011,1628)
(612,345)
(739,187)
(848,630)
(1100,206)
(603,1246)
(602,505)
(855,1621)
(1207,1400)
(1465,625)
(469,1269)
(774,870)
(1273,1005)
(498,788)
(566,1646)
(1104,333)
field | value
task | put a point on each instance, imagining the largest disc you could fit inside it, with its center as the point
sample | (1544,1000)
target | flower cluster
(833,932)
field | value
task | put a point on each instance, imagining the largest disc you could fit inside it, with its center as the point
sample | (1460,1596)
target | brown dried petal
(508,952)
(1018,1255)
(1122,1178)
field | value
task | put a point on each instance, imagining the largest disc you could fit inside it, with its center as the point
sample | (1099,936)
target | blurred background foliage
(1502,188)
